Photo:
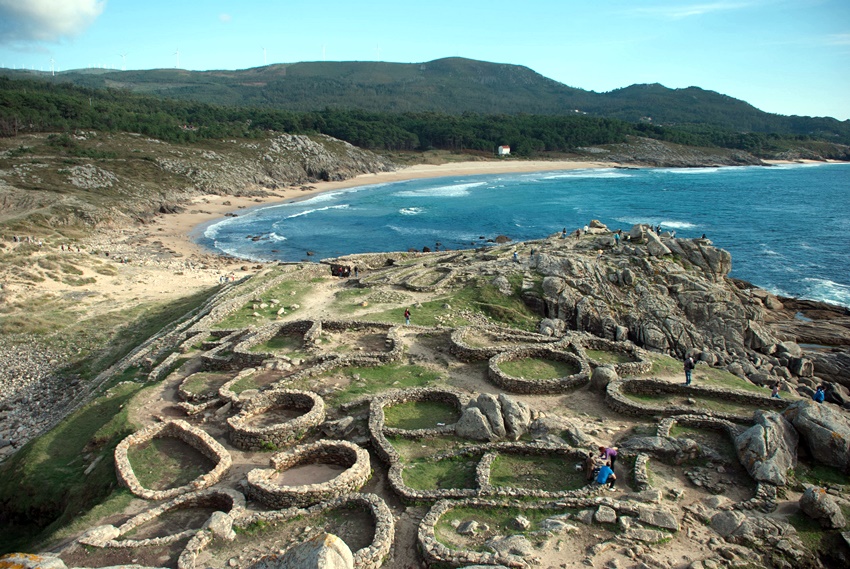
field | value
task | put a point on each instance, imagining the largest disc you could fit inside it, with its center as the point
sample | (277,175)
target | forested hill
(451,86)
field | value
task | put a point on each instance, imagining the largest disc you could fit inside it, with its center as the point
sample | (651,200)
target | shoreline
(181,229)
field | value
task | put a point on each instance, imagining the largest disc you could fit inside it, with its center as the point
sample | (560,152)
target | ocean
(787,227)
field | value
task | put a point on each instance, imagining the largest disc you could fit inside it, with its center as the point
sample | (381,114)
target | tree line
(36,106)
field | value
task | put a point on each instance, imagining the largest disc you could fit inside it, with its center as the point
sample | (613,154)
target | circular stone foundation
(273,488)
(249,432)
(626,358)
(537,386)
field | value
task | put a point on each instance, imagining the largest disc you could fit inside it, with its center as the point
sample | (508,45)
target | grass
(380,378)
(478,297)
(411,450)
(703,375)
(420,415)
(702,402)
(444,474)
(44,487)
(244,384)
(205,382)
(500,521)
(167,463)
(821,475)
(291,346)
(538,368)
(288,293)
(607,357)
(549,473)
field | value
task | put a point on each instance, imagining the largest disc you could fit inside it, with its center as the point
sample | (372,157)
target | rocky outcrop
(825,431)
(325,551)
(819,505)
(490,418)
(768,449)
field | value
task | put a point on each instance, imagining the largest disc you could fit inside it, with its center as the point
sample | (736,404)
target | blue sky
(783,56)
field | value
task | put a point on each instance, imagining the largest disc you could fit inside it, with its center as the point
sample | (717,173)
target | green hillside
(451,86)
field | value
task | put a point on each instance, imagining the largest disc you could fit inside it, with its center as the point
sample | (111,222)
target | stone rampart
(464,352)
(617,399)
(537,386)
(246,437)
(370,557)
(180,430)
(354,459)
(639,365)
(223,499)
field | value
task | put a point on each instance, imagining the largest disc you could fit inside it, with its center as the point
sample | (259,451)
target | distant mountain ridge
(453,86)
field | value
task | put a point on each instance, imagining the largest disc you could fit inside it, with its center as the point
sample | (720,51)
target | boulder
(727,522)
(98,536)
(503,285)
(602,376)
(654,245)
(768,449)
(474,425)
(551,327)
(469,527)
(325,551)
(825,431)
(820,506)
(492,409)
(605,515)
(513,545)
(517,416)
(658,517)
(30,561)
(221,526)
(676,449)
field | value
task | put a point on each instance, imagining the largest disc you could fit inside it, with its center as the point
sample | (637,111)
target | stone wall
(185,432)
(354,459)
(464,352)
(639,365)
(618,401)
(247,437)
(537,386)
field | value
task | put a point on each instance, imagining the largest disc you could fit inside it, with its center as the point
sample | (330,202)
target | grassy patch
(380,378)
(477,297)
(538,368)
(605,357)
(205,382)
(702,402)
(44,486)
(821,475)
(552,474)
(167,463)
(420,415)
(703,375)
(410,450)
(287,292)
(292,346)
(444,474)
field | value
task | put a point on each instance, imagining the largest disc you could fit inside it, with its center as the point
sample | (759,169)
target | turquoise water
(787,227)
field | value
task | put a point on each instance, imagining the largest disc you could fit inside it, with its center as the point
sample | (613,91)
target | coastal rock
(824,430)
(819,505)
(492,409)
(474,425)
(768,449)
(517,416)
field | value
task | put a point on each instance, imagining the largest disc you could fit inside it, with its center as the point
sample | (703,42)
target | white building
(504,151)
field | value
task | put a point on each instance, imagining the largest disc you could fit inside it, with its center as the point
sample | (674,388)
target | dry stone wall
(246,437)
(537,386)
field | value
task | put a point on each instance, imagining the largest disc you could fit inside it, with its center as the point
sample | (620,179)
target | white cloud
(225,18)
(23,21)
(678,12)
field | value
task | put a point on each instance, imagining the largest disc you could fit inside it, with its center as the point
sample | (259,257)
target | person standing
(407,316)
(617,240)
(608,454)
(689,366)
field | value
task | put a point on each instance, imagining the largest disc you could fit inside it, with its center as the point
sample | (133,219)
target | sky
(790,57)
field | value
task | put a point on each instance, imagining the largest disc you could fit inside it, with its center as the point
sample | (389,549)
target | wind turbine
(52,68)
(123,61)
(177,53)
(264,56)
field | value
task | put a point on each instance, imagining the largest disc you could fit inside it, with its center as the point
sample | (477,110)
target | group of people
(600,467)
(343,271)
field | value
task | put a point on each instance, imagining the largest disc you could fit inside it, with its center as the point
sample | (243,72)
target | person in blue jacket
(819,394)
(606,476)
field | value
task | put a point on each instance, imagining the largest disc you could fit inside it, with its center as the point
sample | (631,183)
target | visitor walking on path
(689,366)
(407,316)
(608,454)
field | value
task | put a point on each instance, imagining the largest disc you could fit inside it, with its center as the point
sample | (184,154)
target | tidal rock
(768,449)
